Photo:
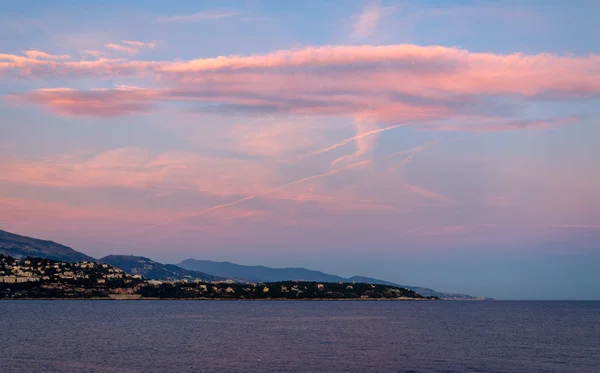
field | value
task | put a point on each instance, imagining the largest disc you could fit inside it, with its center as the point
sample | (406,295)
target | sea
(299,336)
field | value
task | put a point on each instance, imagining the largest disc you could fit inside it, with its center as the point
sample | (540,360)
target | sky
(445,144)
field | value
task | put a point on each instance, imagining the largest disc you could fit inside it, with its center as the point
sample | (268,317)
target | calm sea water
(338,336)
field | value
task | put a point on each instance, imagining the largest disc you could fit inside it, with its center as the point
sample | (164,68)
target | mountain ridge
(17,246)
(260,273)
(150,269)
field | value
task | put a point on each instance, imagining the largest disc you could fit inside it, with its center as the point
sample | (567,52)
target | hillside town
(35,278)
(44,278)
(189,270)
(37,269)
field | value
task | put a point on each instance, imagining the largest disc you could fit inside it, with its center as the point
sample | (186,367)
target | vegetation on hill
(20,246)
(257,273)
(45,278)
(191,270)
(279,290)
(245,273)
(148,268)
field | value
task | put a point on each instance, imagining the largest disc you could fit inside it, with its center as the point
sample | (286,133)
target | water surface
(301,336)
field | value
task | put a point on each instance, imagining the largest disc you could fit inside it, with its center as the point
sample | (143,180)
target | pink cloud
(39,55)
(424,192)
(95,103)
(459,229)
(94,53)
(495,125)
(576,226)
(452,229)
(36,213)
(367,20)
(393,84)
(121,48)
(211,15)
(130,47)
(271,138)
(365,141)
(138,169)
(139,44)
(265,193)
(452,69)
(109,169)
(360,135)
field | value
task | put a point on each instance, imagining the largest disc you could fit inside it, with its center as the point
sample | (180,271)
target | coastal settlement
(37,278)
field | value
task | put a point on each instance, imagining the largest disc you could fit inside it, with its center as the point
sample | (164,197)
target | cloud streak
(95,103)
(264,194)
(393,84)
(39,55)
(130,47)
(367,20)
(210,15)
(424,192)
(495,125)
(352,139)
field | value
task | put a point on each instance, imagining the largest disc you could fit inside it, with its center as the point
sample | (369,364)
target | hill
(267,274)
(30,278)
(257,273)
(21,246)
(18,246)
(426,292)
(148,268)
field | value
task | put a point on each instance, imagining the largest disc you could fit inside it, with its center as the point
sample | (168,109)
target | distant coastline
(190,270)
(38,278)
(229,299)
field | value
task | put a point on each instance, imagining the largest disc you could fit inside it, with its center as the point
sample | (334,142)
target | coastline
(227,299)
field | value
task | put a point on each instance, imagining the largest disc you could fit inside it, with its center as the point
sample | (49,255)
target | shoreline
(228,299)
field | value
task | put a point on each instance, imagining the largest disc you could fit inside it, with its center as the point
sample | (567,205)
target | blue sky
(446,144)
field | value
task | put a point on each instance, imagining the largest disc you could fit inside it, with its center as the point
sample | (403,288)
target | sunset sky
(447,144)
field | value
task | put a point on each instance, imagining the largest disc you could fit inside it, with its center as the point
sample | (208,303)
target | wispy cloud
(94,53)
(95,103)
(136,168)
(424,192)
(352,139)
(367,20)
(452,229)
(365,141)
(131,47)
(576,226)
(457,229)
(209,15)
(359,82)
(272,138)
(140,44)
(35,212)
(121,48)
(496,125)
(39,55)
(263,194)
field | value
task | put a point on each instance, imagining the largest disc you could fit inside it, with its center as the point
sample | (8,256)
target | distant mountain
(426,292)
(20,246)
(369,280)
(148,268)
(257,273)
(266,274)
